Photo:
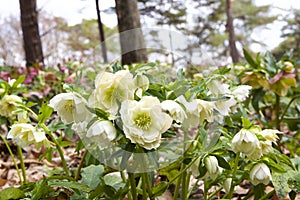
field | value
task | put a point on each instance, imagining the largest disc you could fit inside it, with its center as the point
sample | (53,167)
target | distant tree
(30,29)
(131,35)
(10,39)
(84,41)
(291,33)
(101,33)
(230,29)
(211,24)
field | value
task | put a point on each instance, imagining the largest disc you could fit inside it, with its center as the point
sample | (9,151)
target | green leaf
(18,81)
(258,96)
(160,188)
(208,145)
(71,185)
(249,59)
(100,113)
(49,154)
(202,169)
(91,175)
(41,189)
(125,157)
(270,63)
(44,113)
(102,190)
(11,193)
(280,182)
(223,162)
(116,67)
(246,123)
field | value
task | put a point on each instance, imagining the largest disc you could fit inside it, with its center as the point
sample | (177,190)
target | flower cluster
(254,142)
(25,134)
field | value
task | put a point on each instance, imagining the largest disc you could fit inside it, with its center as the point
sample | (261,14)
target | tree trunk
(131,35)
(230,28)
(30,29)
(101,33)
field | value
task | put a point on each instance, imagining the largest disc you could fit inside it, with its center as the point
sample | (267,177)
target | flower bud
(288,67)
(213,169)
(227,184)
(260,173)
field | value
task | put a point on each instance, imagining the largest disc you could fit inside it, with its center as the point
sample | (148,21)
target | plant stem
(180,174)
(12,157)
(184,183)
(80,166)
(215,192)
(205,190)
(277,111)
(59,149)
(176,192)
(268,195)
(287,107)
(236,163)
(132,186)
(144,186)
(22,164)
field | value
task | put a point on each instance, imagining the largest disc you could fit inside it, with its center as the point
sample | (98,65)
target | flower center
(143,121)
(69,106)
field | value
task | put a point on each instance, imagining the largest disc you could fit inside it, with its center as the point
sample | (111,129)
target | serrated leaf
(91,175)
(11,193)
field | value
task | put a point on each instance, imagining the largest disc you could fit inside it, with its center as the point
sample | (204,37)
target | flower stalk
(22,164)
(236,164)
(12,157)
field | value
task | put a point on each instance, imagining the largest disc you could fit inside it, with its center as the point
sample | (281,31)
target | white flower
(245,141)
(212,166)
(25,135)
(195,167)
(270,135)
(71,107)
(174,110)
(216,88)
(144,121)
(142,81)
(206,109)
(241,92)
(192,112)
(224,107)
(104,131)
(260,173)
(8,105)
(112,89)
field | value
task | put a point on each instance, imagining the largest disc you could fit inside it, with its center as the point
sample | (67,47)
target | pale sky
(76,10)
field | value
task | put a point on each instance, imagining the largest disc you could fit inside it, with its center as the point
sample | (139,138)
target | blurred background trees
(205,24)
